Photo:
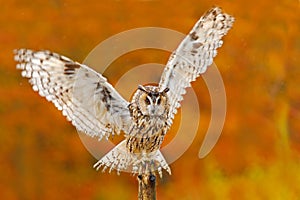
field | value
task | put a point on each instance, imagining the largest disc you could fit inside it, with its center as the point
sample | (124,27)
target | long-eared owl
(94,107)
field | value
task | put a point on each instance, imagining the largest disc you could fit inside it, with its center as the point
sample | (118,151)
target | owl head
(150,101)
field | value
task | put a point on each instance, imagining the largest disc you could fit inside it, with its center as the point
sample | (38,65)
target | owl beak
(151,109)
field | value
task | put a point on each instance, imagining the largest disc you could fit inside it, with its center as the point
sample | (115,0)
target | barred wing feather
(194,55)
(83,95)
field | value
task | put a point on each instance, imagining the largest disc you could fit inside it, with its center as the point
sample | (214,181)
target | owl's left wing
(83,95)
(194,55)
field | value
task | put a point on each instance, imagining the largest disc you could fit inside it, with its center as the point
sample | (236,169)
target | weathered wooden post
(147,187)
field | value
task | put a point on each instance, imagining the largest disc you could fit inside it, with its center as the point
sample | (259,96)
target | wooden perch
(147,187)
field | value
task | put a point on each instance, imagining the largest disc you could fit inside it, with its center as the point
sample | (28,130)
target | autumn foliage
(258,154)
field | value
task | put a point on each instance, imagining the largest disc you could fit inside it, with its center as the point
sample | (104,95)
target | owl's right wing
(194,54)
(83,95)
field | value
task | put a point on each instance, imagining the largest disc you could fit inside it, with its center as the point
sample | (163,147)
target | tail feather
(120,159)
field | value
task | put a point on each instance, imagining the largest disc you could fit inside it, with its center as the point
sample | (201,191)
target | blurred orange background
(258,154)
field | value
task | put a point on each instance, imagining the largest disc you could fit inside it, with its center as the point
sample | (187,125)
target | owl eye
(147,101)
(158,101)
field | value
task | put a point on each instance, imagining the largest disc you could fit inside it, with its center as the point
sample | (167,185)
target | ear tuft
(142,88)
(165,90)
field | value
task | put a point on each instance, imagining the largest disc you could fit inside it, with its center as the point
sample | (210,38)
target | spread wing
(194,55)
(83,95)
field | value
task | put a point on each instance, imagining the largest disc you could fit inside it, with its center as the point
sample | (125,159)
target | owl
(94,107)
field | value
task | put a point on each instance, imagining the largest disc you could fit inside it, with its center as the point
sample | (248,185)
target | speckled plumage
(97,109)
